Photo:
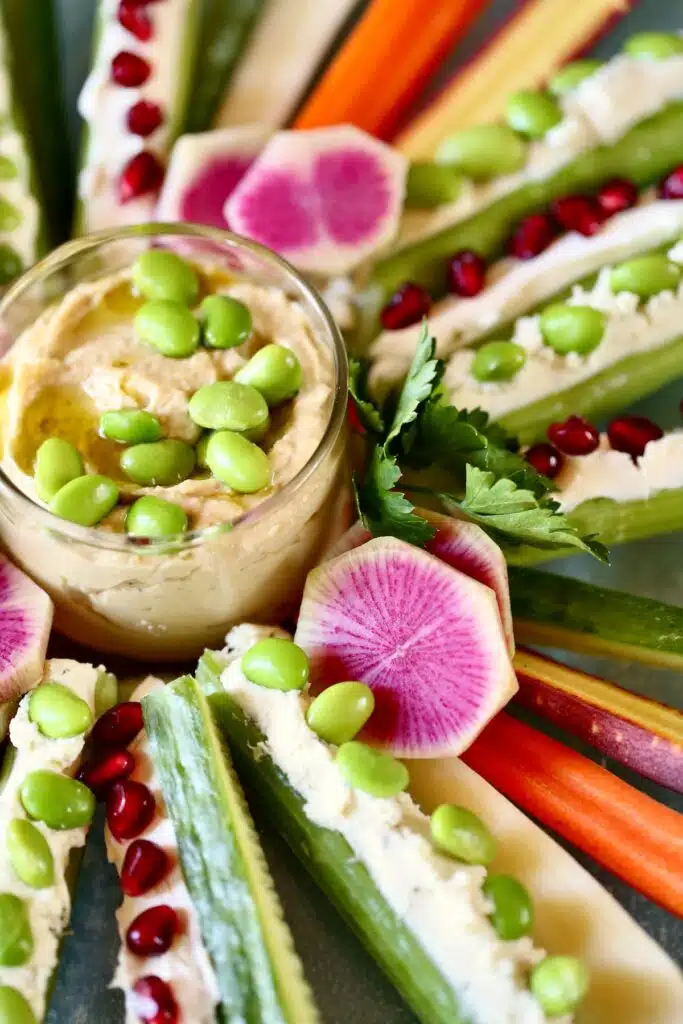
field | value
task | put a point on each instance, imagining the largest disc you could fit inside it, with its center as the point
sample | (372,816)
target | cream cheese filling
(48,908)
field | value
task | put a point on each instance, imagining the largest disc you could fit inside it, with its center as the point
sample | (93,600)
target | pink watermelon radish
(25,621)
(463,545)
(425,637)
(203,172)
(325,199)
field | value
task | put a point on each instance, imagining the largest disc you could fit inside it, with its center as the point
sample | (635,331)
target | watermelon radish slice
(463,545)
(426,638)
(325,199)
(203,172)
(25,621)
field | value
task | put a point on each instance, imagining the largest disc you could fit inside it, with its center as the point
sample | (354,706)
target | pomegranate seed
(144,866)
(155,1003)
(119,726)
(466,273)
(631,434)
(135,20)
(617,195)
(153,931)
(129,70)
(101,774)
(130,809)
(671,187)
(578,213)
(532,236)
(407,306)
(576,436)
(141,175)
(144,118)
(545,459)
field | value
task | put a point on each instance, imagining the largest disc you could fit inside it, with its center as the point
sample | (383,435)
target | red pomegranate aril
(617,195)
(101,774)
(671,187)
(155,1003)
(576,436)
(631,434)
(135,20)
(144,866)
(130,809)
(141,176)
(532,236)
(407,306)
(545,459)
(144,118)
(578,213)
(129,70)
(153,931)
(466,273)
(119,726)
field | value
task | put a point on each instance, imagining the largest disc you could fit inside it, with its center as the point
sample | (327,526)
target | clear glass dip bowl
(168,600)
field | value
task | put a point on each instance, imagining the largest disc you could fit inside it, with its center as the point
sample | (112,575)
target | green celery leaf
(368,413)
(423,378)
(384,511)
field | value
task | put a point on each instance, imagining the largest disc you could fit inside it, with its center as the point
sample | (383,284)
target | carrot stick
(385,62)
(632,835)
(522,55)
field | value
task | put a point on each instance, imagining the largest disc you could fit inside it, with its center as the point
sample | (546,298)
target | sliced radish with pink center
(426,638)
(326,199)
(25,621)
(204,199)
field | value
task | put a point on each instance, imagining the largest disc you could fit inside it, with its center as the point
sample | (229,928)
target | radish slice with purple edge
(25,621)
(203,172)
(462,545)
(423,636)
(325,199)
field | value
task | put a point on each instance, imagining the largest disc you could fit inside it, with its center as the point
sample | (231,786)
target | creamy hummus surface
(81,358)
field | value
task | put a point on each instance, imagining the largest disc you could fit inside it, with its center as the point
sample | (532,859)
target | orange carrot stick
(385,61)
(632,835)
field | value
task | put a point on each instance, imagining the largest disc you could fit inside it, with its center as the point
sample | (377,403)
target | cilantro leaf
(368,413)
(423,376)
(384,511)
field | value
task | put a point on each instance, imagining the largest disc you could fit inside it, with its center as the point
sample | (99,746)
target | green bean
(238,462)
(159,464)
(168,327)
(60,802)
(86,500)
(162,274)
(57,463)
(463,835)
(30,854)
(58,712)
(513,912)
(150,516)
(371,771)
(130,426)
(275,371)
(277,664)
(16,941)
(226,322)
(339,713)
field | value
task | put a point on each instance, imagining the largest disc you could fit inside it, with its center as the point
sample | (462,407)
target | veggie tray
(404,724)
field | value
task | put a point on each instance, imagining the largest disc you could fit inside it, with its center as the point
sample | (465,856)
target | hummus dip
(244,555)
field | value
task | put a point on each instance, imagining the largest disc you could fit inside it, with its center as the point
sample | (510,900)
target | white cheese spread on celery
(186,965)
(438,898)
(48,908)
(607,473)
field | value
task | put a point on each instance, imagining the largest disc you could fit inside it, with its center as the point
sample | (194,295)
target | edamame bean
(228,405)
(16,941)
(57,800)
(200,451)
(150,516)
(277,664)
(30,854)
(8,168)
(654,45)
(497,360)
(86,500)
(572,328)
(559,983)
(161,274)
(430,185)
(483,151)
(11,264)
(238,462)
(340,712)
(10,216)
(226,322)
(274,371)
(106,692)
(159,464)
(532,113)
(463,835)
(130,426)
(168,327)
(571,75)
(513,912)
(371,770)
(58,711)
(14,1009)
(645,276)
(57,463)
